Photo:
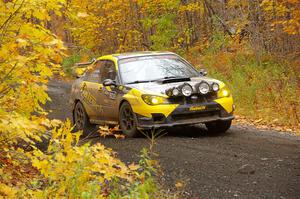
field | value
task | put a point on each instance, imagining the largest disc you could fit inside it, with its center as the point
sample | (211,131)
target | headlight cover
(154,100)
(187,90)
(224,92)
(203,88)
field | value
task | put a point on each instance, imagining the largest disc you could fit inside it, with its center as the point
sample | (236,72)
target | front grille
(186,116)
(194,99)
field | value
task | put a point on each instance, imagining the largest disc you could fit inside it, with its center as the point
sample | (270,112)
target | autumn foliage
(30,54)
(252,44)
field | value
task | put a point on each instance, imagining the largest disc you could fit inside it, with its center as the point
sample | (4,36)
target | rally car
(148,90)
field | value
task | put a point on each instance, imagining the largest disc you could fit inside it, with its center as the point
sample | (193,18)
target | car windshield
(152,68)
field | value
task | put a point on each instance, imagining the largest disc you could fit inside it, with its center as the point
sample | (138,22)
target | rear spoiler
(84,64)
(80,68)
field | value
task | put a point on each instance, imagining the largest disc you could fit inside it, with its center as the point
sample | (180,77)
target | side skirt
(103,122)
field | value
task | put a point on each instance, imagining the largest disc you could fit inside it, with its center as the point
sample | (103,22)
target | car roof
(141,54)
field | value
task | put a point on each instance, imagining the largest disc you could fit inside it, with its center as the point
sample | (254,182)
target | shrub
(70,170)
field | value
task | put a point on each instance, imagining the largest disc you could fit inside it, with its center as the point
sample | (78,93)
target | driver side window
(108,71)
(94,74)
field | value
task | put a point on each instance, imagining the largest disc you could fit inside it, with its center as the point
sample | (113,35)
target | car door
(91,93)
(110,93)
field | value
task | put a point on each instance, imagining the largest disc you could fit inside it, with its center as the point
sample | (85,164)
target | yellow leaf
(134,167)
(119,136)
(179,184)
(7,191)
(82,14)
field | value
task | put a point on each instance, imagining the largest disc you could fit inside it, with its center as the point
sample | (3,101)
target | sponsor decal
(86,96)
(99,108)
(113,95)
(197,108)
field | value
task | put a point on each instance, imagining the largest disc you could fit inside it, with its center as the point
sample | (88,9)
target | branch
(219,19)
(9,72)
(4,91)
(12,15)
(4,26)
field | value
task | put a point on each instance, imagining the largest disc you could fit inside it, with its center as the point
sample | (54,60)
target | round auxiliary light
(203,88)
(187,90)
(169,92)
(215,87)
(175,92)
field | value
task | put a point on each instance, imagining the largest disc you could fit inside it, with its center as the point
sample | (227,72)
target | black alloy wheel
(128,120)
(81,120)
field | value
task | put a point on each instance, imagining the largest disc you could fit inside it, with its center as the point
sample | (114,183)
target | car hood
(159,88)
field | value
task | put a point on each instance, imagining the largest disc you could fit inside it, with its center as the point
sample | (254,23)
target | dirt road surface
(243,163)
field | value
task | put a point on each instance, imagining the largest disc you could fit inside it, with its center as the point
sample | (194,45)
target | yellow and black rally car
(146,90)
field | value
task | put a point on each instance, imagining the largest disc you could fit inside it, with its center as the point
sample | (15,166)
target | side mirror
(109,82)
(202,72)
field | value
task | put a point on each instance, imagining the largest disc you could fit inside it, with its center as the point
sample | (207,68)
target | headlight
(215,87)
(153,99)
(187,90)
(224,92)
(203,88)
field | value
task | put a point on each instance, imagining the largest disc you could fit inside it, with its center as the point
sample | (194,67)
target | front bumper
(182,115)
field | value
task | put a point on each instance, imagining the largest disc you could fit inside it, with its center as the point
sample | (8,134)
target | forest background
(252,45)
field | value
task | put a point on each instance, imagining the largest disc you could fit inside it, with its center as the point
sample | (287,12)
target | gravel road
(243,163)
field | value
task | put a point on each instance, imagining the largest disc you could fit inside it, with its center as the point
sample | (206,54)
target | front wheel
(218,127)
(128,120)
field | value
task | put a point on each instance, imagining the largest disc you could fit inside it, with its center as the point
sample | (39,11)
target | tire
(81,120)
(128,121)
(218,127)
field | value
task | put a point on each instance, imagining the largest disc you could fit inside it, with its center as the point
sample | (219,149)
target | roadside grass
(265,89)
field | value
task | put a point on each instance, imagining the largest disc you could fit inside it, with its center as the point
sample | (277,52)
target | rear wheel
(128,120)
(218,127)
(81,120)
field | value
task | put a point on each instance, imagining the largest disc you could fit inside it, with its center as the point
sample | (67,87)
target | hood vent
(172,80)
